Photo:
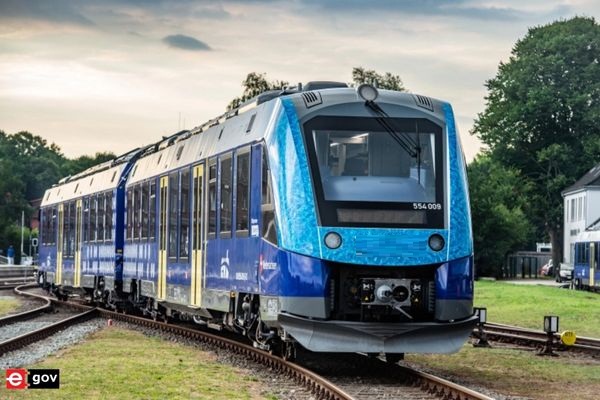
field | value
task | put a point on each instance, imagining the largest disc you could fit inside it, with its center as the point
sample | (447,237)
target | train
(586,271)
(332,217)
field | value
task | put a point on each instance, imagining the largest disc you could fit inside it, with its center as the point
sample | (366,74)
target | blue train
(586,272)
(329,216)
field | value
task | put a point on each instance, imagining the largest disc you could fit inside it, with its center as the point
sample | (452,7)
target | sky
(115,75)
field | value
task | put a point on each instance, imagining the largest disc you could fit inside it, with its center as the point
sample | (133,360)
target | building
(581,209)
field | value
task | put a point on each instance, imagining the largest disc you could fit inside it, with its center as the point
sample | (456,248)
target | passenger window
(226,196)
(144,210)
(197,210)
(152,219)
(109,216)
(242,193)
(269,228)
(173,192)
(137,206)
(130,213)
(212,198)
(184,239)
(86,219)
(101,208)
(93,217)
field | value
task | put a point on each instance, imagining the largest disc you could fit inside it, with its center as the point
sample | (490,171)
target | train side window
(144,210)
(93,209)
(129,215)
(152,218)
(54,225)
(173,192)
(108,216)
(212,198)
(226,195)
(197,210)
(65,233)
(86,220)
(137,209)
(184,231)
(269,228)
(101,213)
(71,246)
(242,193)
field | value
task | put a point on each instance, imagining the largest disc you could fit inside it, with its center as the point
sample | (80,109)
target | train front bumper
(375,337)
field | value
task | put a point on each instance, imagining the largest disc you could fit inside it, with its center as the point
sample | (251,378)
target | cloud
(185,42)
(454,8)
(61,11)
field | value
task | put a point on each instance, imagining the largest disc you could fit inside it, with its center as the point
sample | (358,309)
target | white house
(581,209)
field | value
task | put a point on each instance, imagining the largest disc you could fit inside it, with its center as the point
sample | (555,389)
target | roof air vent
(319,85)
(423,101)
(311,99)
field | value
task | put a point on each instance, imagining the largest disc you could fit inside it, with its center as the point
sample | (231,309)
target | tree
(255,84)
(542,115)
(498,200)
(79,164)
(385,81)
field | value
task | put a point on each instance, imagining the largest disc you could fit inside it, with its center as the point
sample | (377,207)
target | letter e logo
(16,378)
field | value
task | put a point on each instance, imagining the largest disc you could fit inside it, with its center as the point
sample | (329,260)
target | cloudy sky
(113,75)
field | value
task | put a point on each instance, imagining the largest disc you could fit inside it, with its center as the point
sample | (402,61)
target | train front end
(375,247)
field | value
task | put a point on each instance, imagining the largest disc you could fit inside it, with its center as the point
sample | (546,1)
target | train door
(592,259)
(198,241)
(77,258)
(59,244)
(161,288)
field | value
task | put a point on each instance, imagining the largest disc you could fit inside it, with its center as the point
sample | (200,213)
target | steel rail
(25,315)
(442,387)
(319,386)
(39,334)
(535,338)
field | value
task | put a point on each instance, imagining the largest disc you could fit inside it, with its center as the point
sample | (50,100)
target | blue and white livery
(328,216)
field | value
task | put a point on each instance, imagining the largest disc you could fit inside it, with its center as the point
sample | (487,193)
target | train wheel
(288,350)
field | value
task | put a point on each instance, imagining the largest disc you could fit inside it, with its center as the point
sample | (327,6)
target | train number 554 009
(427,206)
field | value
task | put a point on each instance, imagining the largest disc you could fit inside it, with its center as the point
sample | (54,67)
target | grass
(8,304)
(519,373)
(526,305)
(120,364)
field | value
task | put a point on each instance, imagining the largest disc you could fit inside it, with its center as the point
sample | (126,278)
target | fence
(524,264)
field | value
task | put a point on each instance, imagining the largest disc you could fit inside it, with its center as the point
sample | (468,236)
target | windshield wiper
(408,144)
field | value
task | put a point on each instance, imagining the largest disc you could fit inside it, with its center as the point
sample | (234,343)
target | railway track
(537,339)
(427,385)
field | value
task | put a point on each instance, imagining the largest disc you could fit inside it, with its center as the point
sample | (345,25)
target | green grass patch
(526,305)
(519,373)
(8,304)
(116,363)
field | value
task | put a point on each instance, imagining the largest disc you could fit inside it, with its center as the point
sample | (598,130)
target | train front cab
(380,286)
(586,273)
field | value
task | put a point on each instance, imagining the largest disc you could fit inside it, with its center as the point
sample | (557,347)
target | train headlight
(333,240)
(367,92)
(436,242)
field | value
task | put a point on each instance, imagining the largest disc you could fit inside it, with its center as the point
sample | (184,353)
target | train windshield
(370,171)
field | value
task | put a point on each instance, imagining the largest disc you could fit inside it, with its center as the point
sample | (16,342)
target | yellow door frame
(197,282)
(59,244)
(161,288)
